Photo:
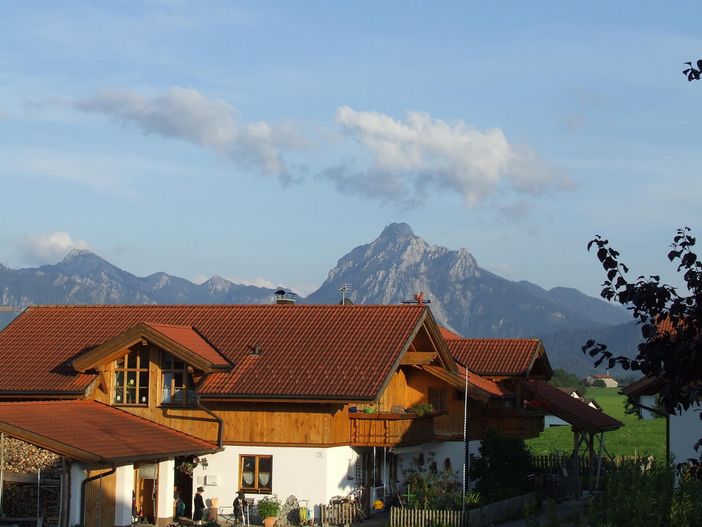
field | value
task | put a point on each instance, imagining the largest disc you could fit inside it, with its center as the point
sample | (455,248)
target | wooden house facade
(311,401)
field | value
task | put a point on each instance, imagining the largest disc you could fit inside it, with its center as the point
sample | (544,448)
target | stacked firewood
(21,461)
(24,457)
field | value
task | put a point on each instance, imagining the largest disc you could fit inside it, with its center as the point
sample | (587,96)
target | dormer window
(132,378)
(178,384)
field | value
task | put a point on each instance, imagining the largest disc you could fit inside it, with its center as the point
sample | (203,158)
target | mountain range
(393,268)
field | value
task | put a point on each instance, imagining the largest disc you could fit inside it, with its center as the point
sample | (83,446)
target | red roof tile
(477,385)
(187,337)
(495,356)
(448,334)
(92,431)
(568,408)
(313,351)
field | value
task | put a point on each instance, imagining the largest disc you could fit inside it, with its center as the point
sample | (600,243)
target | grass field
(635,437)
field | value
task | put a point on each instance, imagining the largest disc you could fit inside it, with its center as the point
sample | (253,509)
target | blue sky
(261,141)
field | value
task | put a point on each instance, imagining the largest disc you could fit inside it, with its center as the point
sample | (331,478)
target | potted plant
(268,510)
(422,409)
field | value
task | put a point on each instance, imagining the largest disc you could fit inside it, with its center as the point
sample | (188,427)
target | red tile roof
(568,408)
(94,432)
(448,334)
(497,357)
(314,351)
(477,385)
(187,337)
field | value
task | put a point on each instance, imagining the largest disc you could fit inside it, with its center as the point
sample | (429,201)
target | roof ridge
(184,326)
(223,306)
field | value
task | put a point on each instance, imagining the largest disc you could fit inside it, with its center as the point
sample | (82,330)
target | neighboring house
(305,400)
(522,367)
(609,381)
(682,430)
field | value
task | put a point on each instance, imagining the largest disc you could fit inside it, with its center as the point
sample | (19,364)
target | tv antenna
(345,288)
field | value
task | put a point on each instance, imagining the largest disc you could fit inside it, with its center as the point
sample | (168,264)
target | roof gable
(181,341)
(502,357)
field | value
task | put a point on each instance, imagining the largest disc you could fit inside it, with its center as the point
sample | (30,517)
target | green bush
(647,494)
(503,466)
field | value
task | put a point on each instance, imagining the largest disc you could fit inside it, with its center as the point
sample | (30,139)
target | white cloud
(410,157)
(258,281)
(49,247)
(211,123)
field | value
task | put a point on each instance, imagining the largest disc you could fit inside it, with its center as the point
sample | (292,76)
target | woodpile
(24,457)
(22,462)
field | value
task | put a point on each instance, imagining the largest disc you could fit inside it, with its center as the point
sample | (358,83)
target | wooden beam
(415,358)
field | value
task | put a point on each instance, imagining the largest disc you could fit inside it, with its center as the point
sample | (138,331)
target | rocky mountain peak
(217,283)
(84,261)
(397,231)
(78,254)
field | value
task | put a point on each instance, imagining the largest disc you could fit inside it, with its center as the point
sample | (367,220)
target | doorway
(145,491)
(184,485)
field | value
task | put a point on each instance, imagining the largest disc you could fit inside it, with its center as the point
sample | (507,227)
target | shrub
(502,468)
(648,495)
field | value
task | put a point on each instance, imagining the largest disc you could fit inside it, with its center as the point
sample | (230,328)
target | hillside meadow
(636,437)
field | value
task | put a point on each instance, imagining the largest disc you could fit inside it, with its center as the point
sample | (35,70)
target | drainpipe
(220,421)
(85,484)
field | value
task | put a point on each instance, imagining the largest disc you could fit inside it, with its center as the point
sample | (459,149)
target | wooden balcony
(390,429)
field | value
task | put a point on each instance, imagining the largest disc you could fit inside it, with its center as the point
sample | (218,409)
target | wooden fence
(483,517)
(426,518)
(340,514)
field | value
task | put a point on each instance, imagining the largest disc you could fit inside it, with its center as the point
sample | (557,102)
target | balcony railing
(390,429)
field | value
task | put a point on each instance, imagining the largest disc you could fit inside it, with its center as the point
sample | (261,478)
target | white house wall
(124,486)
(685,430)
(440,450)
(314,474)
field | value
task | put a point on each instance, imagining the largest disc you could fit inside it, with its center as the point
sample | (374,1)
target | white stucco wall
(78,475)
(314,474)
(685,430)
(124,486)
(441,450)
(164,499)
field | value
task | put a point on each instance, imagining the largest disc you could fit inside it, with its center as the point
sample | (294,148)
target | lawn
(636,437)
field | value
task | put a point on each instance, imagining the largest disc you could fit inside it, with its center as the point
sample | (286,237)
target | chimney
(285,298)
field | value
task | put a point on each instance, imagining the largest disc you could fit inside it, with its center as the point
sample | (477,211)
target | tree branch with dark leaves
(670,320)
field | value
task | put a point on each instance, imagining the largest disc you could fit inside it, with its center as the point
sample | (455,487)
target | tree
(670,320)
(563,378)
(502,468)
(692,73)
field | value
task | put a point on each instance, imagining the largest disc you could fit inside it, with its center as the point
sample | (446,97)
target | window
(178,385)
(256,474)
(132,378)
(438,398)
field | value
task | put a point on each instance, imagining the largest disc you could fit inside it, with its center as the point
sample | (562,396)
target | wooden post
(599,461)
(38,492)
